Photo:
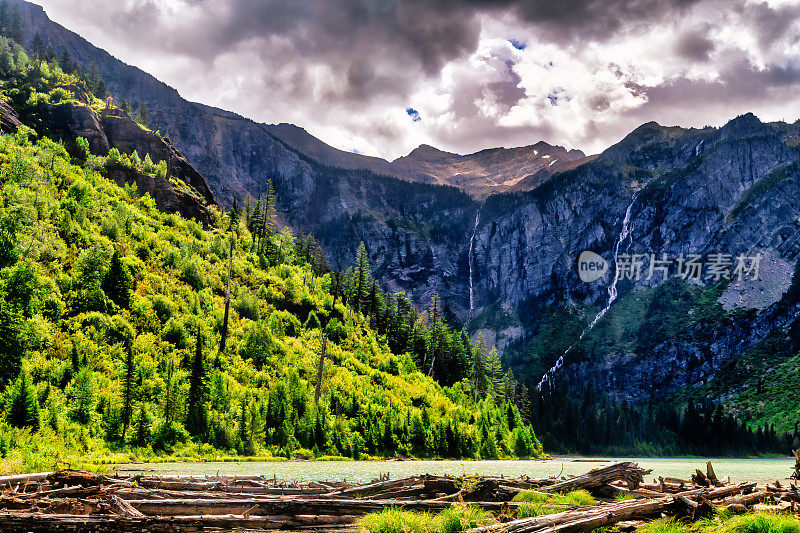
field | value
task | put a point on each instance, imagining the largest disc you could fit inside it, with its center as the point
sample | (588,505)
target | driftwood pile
(71,500)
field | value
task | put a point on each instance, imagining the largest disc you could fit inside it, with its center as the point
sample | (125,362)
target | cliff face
(112,128)
(732,190)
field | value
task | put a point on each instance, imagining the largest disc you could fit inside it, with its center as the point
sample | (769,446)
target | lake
(361,471)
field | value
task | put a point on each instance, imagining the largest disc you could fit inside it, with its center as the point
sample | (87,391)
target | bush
(163,308)
(174,333)
(192,274)
(246,305)
(258,345)
(168,434)
(336,330)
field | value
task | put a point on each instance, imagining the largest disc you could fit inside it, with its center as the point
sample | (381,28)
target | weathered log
(748,499)
(46,523)
(628,472)
(274,506)
(584,520)
(67,478)
(124,508)
(15,479)
(712,476)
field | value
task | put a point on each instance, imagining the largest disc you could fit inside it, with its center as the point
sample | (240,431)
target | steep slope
(113,322)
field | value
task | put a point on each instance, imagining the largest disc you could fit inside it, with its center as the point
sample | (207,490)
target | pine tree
(196,416)
(23,409)
(76,364)
(479,374)
(97,86)
(269,209)
(362,278)
(66,62)
(118,282)
(11,345)
(127,388)
(143,114)
(49,53)
(37,47)
(5,18)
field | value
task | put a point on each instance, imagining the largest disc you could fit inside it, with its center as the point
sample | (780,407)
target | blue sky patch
(414,114)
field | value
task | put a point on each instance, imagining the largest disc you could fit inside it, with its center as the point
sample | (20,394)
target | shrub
(246,305)
(174,333)
(336,330)
(168,434)
(258,345)
(192,274)
(163,308)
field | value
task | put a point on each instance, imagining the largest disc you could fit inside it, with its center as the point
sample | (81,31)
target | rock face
(731,190)
(112,128)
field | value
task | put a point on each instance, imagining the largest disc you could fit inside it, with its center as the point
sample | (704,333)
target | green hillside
(112,314)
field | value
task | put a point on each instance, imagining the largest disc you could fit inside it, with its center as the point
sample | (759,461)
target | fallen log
(584,520)
(276,506)
(46,523)
(628,472)
(14,479)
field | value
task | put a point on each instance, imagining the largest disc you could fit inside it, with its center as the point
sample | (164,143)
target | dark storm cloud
(352,66)
(772,23)
(695,44)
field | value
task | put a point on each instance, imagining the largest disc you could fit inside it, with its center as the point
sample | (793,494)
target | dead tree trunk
(320,368)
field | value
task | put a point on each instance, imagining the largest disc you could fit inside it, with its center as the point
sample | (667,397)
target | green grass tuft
(762,522)
(396,520)
(664,526)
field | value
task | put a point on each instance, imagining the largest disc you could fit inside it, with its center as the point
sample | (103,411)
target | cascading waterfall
(469,258)
(625,232)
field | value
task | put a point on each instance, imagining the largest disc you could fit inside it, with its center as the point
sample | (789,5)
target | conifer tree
(23,409)
(127,388)
(479,374)
(362,278)
(196,415)
(118,282)
(143,114)
(37,47)
(66,62)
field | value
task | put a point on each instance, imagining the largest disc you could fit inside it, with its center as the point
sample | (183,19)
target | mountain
(489,171)
(480,174)
(505,264)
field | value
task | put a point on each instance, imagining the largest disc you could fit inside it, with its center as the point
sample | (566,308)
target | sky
(381,77)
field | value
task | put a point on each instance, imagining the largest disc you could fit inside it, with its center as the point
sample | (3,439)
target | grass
(664,526)
(621,497)
(576,497)
(396,520)
(762,522)
(535,503)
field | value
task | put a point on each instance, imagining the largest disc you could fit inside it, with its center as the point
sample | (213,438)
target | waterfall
(469,258)
(625,232)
